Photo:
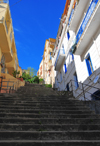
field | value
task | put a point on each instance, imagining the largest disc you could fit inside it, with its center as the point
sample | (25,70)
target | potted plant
(16,73)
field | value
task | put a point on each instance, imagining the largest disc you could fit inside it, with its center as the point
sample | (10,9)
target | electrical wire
(12,5)
(16,3)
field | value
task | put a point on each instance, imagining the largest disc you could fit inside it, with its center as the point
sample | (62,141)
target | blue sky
(34,21)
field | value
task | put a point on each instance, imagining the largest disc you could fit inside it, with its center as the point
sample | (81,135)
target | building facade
(46,70)
(76,55)
(40,72)
(8,52)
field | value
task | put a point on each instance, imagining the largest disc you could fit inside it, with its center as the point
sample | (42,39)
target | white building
(77,50)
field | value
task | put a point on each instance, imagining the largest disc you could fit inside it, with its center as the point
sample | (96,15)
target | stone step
(46,104)
(46,111)
(50,120)
(40,115)
(43,107)
(49,135)
(50,142)
(49,127)
(25,103)
(22,103)
(39,100)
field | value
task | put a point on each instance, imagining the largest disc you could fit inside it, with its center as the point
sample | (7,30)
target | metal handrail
(83,91)
(86,84)
(11,87)
(86,90)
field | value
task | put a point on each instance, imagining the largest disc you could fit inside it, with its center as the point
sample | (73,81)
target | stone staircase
(38,116)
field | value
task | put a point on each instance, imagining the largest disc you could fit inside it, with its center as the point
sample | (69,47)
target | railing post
(7,84)
(83,91)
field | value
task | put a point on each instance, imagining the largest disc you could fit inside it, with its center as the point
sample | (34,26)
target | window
(65,68)
(89,64)
(68,35)
(67,86)
(3,63)
(11,36)
(76,81)
(6,26)
(63,49)
(11,51)
(50,56)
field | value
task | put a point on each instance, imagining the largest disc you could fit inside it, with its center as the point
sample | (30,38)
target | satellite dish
(96,79)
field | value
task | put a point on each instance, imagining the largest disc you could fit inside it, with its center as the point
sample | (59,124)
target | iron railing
(82,88)
(94,104)
(10,87)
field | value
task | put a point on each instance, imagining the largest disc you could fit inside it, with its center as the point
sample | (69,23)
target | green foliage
(32,71)
(30,79)
(41,80)
(26,77)
(48,85)
(35,79)
(15,73)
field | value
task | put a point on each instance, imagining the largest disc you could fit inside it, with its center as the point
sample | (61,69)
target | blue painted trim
(65,68)
(76,81)
(88,65)
(91,64)
(86,19)
(68,35)
(72,55)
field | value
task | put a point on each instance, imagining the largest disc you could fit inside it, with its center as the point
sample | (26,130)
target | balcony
(88,28)
(60,58)
(5,29)
(11,65)
(4,1)
(77,14)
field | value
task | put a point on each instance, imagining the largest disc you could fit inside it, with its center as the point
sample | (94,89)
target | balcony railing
(86,19)
(4,1)
(72,12)
(60,52)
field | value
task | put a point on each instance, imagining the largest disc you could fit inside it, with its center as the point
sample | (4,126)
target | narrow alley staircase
(37,116)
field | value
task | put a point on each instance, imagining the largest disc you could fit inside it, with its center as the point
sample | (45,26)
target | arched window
(3,63)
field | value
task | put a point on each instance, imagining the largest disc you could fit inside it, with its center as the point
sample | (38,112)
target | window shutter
(68,35)
(88,67)
(72,56)
(65,68)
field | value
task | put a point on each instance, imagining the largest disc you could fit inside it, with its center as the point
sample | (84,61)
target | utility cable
(12,5)
(16,3)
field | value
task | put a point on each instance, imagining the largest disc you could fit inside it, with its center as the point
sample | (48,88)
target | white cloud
(16,29)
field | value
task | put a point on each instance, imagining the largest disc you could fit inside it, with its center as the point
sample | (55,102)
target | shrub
(36,79)
(26,77)
(41,80)
(48,85)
